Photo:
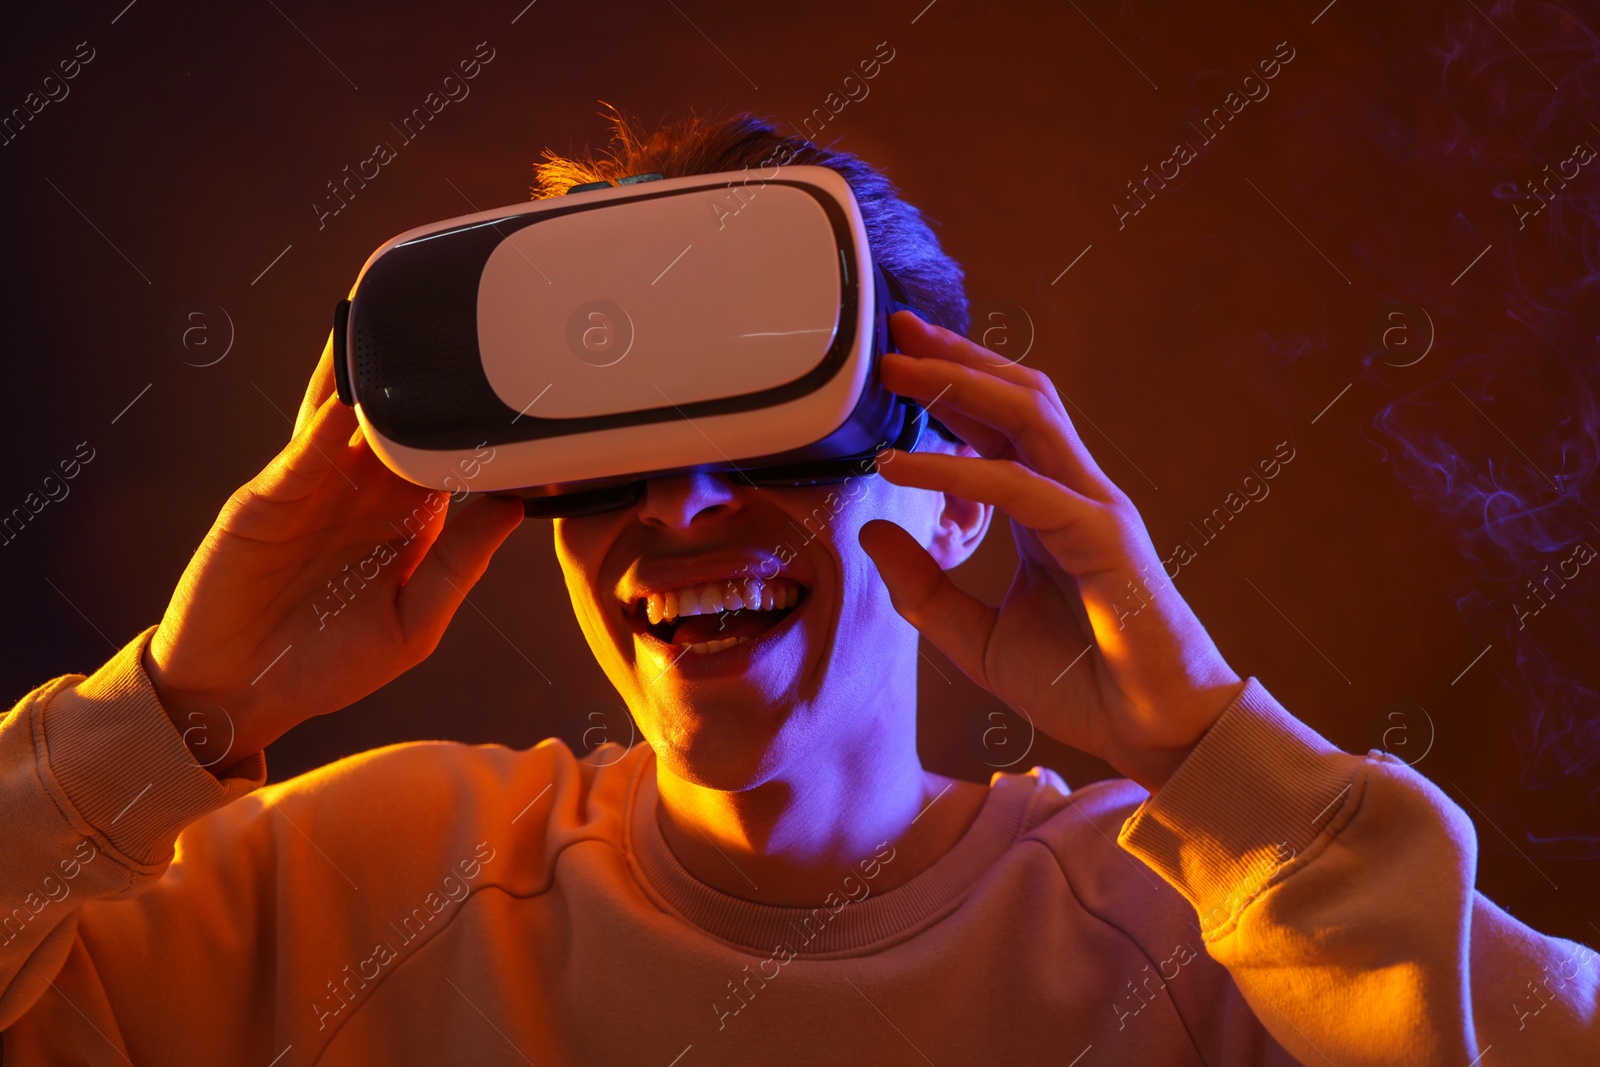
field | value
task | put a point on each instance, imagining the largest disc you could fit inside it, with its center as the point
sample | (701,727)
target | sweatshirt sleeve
(96,783)
(1337,890)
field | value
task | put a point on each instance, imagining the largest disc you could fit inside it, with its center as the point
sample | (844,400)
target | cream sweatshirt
(1277,901)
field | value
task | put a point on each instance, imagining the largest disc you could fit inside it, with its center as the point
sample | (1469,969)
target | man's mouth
(718,615)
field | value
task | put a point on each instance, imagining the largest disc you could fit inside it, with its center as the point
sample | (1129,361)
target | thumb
(957,623)
(321,386)
(453,565)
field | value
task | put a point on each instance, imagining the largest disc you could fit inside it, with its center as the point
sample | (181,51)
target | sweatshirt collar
(841,926)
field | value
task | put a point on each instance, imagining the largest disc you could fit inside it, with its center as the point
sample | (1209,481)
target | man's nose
(677,500)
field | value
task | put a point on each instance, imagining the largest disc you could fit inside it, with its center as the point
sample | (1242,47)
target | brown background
(1220,321)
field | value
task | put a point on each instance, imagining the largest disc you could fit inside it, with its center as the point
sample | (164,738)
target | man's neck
(793,840)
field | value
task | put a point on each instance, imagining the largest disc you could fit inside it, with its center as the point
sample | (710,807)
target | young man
(771,876)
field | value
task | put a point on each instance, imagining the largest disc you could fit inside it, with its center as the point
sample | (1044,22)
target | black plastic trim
(341,357)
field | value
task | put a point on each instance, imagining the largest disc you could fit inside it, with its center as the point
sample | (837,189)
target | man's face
(779,685)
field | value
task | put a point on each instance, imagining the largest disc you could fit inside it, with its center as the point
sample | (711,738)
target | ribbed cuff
(1253,795)
(114,762)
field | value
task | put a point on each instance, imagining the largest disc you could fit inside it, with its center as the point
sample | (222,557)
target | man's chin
(729,750)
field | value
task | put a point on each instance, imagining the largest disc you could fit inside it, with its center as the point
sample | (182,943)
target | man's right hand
(256,638)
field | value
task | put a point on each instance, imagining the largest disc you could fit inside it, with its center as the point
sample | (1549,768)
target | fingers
(453,565)
(926,384)
(984,439)
(957,623)
(1027,496)
(321,386)
(327,439)
(990,405)
(317,448)
(923,340)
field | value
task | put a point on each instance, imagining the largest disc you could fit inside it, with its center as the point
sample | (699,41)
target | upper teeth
(732,594)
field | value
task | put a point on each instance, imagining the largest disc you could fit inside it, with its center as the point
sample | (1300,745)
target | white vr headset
(725,322)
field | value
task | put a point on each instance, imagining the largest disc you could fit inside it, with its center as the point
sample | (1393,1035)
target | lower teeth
(703,647)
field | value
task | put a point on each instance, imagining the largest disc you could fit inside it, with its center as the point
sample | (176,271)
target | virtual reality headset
(726,322)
